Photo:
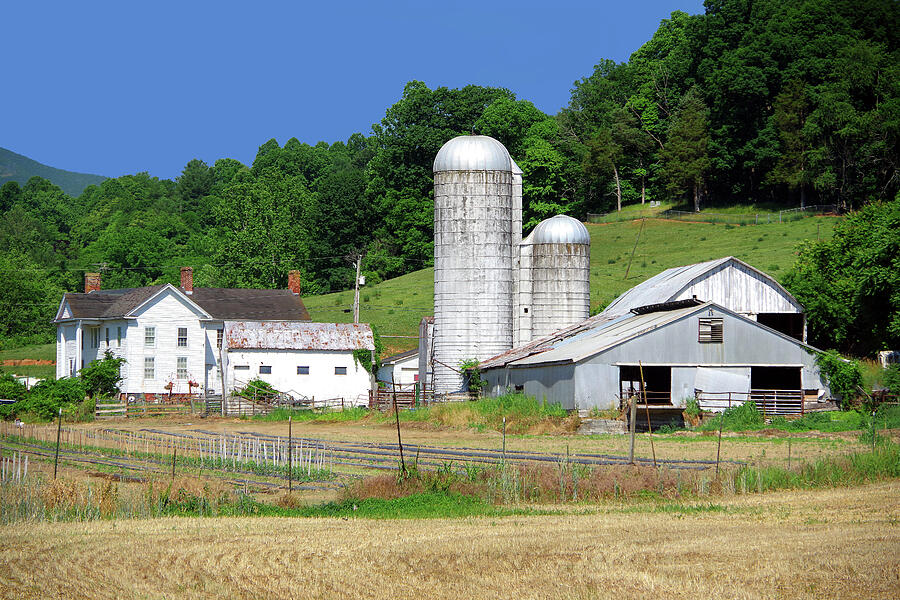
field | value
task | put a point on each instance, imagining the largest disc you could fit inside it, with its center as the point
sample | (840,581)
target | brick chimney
(294,282)
(91,282)
(187,279)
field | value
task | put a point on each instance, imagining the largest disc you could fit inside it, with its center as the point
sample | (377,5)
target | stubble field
(839,543)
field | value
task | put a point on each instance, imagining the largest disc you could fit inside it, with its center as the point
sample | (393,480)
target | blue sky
(120,87)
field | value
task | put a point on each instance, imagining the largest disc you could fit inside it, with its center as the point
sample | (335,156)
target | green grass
(872,372)
(520,411)
(329,416)
(663,244)
(40,352)
(425,505)
(39,371)
(740,418)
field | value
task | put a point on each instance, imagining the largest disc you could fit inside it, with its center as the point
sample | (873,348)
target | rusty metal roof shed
(293,335)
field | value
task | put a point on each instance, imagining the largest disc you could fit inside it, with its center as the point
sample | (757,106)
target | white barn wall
(742,290)
(321,383)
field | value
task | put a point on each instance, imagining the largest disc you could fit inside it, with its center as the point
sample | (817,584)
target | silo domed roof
(472,153)
(561,229)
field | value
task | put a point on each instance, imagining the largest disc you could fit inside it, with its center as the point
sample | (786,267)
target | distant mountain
(15,167)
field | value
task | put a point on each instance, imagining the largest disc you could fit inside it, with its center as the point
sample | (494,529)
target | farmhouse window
(181,369)
(118,337)
(150,337)
(711,331)
(340,370)
(182,337)
(265,369)
(149,367)
(95,337)
(302,370)
(219,334)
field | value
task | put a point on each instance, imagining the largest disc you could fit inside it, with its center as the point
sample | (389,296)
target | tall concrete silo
(474,216)
(554,278)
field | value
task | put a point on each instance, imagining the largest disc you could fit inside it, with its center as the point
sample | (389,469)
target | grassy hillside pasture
(41,352)
(397,305)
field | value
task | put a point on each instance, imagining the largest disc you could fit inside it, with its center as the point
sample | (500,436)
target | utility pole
(356,288)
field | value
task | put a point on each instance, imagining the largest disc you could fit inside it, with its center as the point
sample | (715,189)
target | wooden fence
(769,402)
(192,404)
(383,399)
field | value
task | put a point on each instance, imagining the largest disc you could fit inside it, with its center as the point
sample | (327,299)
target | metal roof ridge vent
(666,306)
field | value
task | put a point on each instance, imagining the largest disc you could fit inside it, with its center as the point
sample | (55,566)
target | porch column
(79,340)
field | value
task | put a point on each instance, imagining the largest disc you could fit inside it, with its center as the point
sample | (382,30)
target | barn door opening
(787,323)
(657,382)
(776,390)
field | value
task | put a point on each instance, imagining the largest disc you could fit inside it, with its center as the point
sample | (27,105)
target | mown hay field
(835,543)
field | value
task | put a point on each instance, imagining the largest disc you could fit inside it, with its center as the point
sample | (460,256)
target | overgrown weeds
(568,481)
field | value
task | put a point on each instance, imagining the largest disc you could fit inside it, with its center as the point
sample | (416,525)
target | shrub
(470,371)
(892,378)
(10,388)
(102,377)
(843,376)
(737,418)
(257,388)
(46,398)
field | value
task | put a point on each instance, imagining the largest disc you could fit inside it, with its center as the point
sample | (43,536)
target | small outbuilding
(314,361)
(400,369)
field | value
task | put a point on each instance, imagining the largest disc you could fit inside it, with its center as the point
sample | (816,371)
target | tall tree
(850,284)
(685,157)
(790,112)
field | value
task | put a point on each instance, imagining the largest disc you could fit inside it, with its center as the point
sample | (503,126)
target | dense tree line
(786,103)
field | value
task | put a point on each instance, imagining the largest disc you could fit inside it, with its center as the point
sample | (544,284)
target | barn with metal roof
(671,350)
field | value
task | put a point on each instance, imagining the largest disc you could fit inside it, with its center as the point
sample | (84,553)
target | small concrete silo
(475,236)
(554,278)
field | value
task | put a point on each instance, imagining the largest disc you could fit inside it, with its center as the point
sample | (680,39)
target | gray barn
(686,348)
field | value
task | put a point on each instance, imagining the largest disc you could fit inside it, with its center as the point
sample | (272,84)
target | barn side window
(302,370)
(182,337)
(711,331)
(219,334)
(265,369)
(340,370)
(149,367)
(149,337)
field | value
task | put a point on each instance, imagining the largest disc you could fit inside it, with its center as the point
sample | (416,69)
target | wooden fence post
(58,431)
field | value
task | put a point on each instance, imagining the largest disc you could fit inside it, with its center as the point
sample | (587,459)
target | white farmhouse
(170,337)
(313,361)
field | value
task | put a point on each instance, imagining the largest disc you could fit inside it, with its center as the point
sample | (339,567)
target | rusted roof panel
(293,335)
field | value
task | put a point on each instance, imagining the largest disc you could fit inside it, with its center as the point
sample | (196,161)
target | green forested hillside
(18,168)
(750,103)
